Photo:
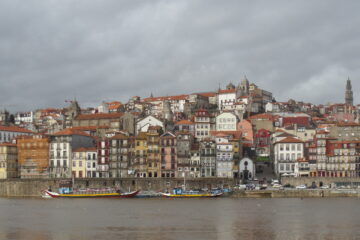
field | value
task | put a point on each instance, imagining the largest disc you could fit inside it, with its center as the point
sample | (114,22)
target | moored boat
(179,193)
(90,193)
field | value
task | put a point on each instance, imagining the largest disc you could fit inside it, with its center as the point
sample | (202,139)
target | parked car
(276,185)
(325,187)
(301,187)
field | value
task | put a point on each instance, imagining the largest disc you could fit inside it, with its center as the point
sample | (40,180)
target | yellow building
(8,161)
(79,163)
(140,148)
(153,151)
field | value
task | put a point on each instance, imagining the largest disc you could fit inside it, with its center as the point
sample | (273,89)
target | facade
(103,153)
(61,145)
(286,153)
(195,164)
(224,158)
(120,163)
(168,155)
(8,161)
(8,133)
(346,131)
(78,163)
(226,121)
(33,155)
(153,152)
(143,124)
(184,141)
(247,169)
(208,158)
(203,124)
(349,93)
(140,148)
(24,117)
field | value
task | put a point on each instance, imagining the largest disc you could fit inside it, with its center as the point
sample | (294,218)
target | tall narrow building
(349,93)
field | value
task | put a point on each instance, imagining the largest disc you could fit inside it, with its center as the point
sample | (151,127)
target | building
(8,133)
(349,93)
(226,121)
(247,169)
(345,131)
(286,153)
(208,158)
(142,125)
(78,163)
(203,124)
(184,141)
(168,155)
(195,164)
(224,158)
(153,152)
(8,161)
(33,155)
(24,117)
(140,164)
(120,156)
(61,145)
(103,153)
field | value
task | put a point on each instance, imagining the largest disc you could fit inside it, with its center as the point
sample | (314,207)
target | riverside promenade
(33,187)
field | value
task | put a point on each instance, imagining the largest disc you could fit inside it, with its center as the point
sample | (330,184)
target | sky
(105,50)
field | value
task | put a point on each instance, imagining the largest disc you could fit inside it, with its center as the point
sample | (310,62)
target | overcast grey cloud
(98,50)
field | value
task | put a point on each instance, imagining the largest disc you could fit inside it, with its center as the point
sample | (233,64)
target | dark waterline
(153,219)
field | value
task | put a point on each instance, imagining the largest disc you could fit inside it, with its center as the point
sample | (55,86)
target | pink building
(168,155)
(245,127)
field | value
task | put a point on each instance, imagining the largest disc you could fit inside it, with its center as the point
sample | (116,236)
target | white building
(286,154)
(226,97)
(143,124)
(24,117)
(8,133)
(246,169)
(226,121)
(224,159)
(91,163)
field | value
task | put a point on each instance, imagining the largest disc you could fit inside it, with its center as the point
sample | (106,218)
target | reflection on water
(154,219)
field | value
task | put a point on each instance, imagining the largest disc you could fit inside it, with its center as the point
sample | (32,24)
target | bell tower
(349,93)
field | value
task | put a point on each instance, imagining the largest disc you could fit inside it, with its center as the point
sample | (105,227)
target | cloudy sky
(98,50)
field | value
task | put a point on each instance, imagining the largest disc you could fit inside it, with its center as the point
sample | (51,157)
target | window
(74,164)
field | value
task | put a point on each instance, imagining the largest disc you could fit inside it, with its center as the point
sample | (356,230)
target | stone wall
(33,187)
(318,180)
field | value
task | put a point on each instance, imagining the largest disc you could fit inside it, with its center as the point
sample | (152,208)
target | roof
(184,122)
(6,144)
(155,99)
(71,131)
(226,91)
(290,140)
(98,116)
(262,116)
(120,136)
(207,94)
(84,149)
(90,128)
(14,129)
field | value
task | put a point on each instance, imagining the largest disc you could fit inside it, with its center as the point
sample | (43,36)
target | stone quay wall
(318,180)
(33,187)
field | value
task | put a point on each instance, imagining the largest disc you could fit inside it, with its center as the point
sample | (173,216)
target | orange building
(33,155)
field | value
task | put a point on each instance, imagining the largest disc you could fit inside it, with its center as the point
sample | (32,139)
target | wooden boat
(93,193)
(178,193)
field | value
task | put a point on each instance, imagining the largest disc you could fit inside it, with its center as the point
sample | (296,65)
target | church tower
(349,93)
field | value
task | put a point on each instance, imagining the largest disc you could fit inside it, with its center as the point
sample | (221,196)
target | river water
(162,219)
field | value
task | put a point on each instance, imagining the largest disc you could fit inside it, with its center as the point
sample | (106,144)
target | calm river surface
(151,219)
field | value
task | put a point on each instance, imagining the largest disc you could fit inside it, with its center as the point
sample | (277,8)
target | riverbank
(297,193)
(33,187)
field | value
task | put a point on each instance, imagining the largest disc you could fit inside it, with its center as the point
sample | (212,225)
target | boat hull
(200,195)
(48,194)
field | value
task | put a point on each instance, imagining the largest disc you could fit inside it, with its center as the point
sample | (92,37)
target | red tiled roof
(89,128)
(262,116)
(184,122)
(290,140)
(207,94)
(70,131)
(6,144)
(98,116)
(84,149)
(154,99)
(14,129)
(225,91)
